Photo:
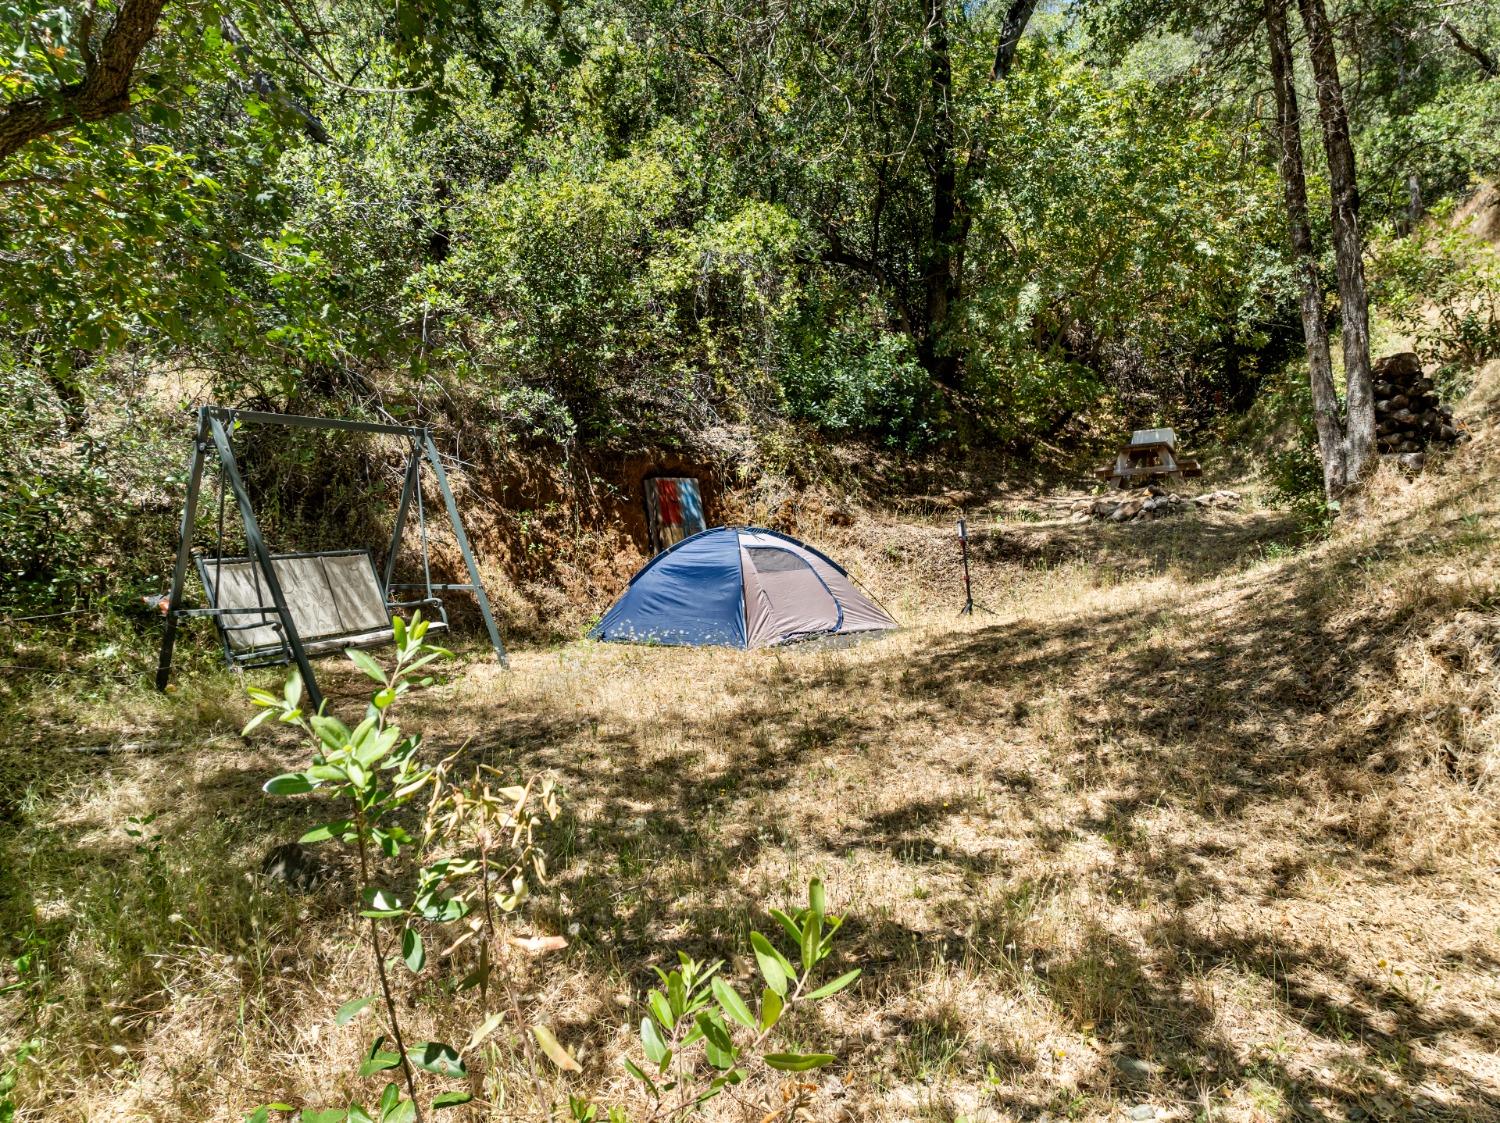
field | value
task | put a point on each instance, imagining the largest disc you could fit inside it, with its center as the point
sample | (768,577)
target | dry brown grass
(1190,797)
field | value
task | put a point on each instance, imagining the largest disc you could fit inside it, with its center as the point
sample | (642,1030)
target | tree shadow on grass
(1215,707)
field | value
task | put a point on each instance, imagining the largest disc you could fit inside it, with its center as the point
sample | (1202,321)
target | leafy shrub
(375,770)
(1442,287)
(1291,464)
(478,853)
(853,379)
(52,483)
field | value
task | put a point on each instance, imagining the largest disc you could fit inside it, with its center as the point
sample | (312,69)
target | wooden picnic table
(1150,454)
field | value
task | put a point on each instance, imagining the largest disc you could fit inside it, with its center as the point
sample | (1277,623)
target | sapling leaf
(812,940)
(773,965)
(251,724)
(363,730)
(328,830)
(404,1111)
(487,1027)
(441,910)
(656,1049)
(798,1062)
(834,923)
(771,1005)
(292,692)
(732,1004)
(331,731)
(554,1049)
(424,660)
(635,1071)
(717,1045)
(379,1062)
(661,1008)
(332,1115)
(789,924)
(357,1114)
(349,1010)
(365,663)
(288,783)
(451,1099)
(381,904)
(834,987)
(412,950)
(436,1057)
(816,898)
(390,1096)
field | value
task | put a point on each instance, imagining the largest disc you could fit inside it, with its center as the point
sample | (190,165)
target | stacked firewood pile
(1408,415)
(1147,503)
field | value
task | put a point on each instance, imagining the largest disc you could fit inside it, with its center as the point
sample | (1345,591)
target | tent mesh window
(769,559)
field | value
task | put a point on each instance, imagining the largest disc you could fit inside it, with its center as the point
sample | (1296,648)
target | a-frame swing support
(212,438)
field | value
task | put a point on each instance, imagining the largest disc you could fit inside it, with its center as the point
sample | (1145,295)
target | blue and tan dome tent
(737,586)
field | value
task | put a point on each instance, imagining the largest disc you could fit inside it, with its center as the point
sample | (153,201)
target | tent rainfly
(739,587)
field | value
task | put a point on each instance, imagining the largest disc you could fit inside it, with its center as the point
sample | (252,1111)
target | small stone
(1142,1112)
(1133,1067)
(295,865)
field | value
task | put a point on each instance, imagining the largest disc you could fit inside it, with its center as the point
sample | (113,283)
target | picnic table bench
(1151,453)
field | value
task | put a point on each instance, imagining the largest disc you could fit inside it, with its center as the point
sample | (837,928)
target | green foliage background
(590,227)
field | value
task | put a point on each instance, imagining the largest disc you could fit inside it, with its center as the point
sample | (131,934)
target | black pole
(963,540)
(257,549)
(184,549)
(463,547)
(411,483)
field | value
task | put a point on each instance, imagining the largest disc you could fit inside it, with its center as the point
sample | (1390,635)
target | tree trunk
(104,90)
(952,218)
(1348,247)
(1415,208)
(941,271)
(1017,16)
(1331,439)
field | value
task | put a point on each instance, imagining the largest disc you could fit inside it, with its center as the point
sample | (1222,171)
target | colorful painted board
(674,510)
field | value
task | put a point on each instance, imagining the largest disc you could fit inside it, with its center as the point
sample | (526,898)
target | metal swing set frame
(212,438)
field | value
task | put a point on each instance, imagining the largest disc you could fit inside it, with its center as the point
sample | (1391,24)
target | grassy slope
(1188,796)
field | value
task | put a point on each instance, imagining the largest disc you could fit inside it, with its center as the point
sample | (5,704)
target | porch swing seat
(334,598)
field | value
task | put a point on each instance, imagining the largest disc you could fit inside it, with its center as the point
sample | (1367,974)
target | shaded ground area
(1210,831)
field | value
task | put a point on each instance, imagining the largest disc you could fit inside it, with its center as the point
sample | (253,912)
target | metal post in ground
(963,542)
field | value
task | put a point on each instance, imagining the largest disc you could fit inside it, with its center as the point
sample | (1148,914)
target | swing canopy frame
(285,608)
